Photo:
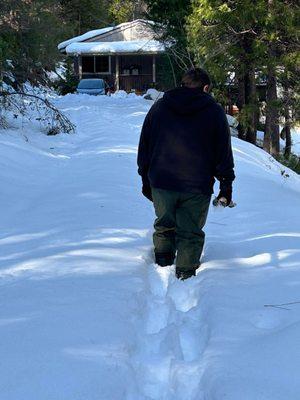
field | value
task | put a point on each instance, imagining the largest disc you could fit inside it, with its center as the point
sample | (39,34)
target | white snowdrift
(86,315)
(153,94)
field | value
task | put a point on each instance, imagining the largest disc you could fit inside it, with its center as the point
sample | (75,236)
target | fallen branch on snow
(281,305)
(22,103)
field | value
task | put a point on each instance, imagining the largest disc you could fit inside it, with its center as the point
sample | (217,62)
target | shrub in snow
(67,82)
(292,162)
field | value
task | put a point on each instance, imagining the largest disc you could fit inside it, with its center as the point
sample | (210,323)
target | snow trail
(174,336)
(85,313)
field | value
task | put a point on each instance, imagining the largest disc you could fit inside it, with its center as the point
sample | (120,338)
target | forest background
(244,45)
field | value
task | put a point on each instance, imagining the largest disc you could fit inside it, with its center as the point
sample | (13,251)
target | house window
(88,64)
(96,64)
(102,64)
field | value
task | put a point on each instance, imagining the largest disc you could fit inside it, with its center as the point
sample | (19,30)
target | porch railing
(140,82)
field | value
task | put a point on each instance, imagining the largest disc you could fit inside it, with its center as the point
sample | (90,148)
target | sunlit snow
(86,315)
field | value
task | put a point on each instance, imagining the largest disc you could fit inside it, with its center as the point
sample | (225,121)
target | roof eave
(117,53)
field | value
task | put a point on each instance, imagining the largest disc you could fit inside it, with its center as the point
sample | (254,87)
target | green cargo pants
(178,226)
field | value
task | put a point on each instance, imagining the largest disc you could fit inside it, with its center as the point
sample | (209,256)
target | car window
(91,84)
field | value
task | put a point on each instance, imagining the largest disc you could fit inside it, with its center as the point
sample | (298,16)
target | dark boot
(185,274)
(164,259)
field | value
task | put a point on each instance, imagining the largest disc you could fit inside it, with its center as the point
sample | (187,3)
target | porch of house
(121,72)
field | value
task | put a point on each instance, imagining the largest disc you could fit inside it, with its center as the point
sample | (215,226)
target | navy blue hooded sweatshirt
(185,143)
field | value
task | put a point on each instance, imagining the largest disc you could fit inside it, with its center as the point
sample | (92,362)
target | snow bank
(153,94)
(122,94)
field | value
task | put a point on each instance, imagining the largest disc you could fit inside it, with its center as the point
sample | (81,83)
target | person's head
(196,78)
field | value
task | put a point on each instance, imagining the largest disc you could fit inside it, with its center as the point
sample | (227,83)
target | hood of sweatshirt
(185,100)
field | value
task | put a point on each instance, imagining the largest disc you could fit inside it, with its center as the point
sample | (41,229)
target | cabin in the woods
(124,55)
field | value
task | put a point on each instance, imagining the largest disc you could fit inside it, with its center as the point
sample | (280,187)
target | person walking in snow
(184,145)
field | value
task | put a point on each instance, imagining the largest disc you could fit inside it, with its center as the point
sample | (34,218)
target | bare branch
(48,114)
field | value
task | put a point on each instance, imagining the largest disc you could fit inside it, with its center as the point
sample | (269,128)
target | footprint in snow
(158,312)
(159,279)
(268,318)
(185,294)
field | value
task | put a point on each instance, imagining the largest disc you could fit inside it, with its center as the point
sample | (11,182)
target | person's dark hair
(196,78)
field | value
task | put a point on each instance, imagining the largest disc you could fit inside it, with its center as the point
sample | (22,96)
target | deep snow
(85,315)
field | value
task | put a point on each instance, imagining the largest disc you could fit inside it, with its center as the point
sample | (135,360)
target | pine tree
(279,36)
(29,33)
(86,15)
(126,10)
(249,38)
(223,37)
(170,17)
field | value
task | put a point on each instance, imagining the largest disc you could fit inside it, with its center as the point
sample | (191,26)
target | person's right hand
(227,195)
(225,192)
(146,190)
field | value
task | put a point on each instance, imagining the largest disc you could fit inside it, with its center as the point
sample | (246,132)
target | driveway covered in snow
(85,315)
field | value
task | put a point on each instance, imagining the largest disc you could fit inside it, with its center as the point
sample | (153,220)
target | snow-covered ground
(296,141)
(85,315)
(295,133)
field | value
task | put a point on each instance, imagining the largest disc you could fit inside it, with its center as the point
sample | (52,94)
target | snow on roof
(139,20)
(97,32)
(85,36)
(134,46)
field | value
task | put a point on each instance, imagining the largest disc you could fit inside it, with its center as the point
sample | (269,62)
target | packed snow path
(85,315)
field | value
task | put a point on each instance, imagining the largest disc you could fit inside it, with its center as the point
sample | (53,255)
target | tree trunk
(247,88)
(287,119)
(240,76)
(288,141)
(271,137)
(287,131)
(250,100)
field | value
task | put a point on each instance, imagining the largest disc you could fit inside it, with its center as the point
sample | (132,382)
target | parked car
(91,86)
